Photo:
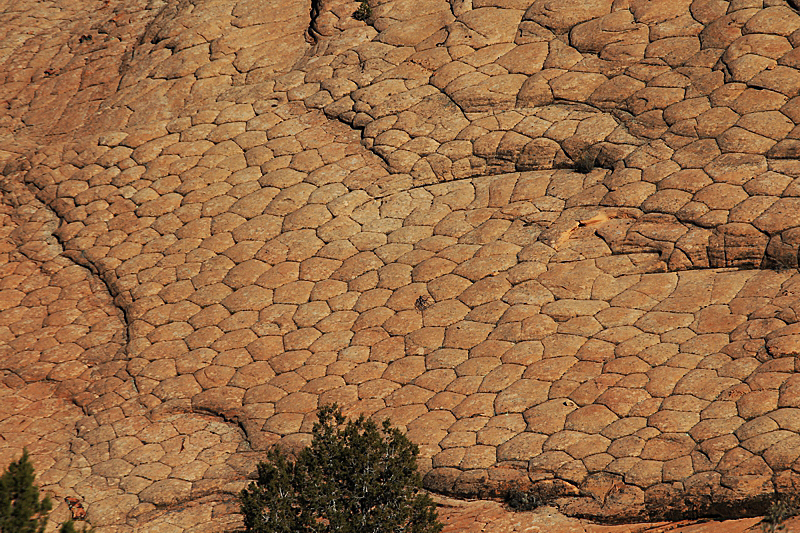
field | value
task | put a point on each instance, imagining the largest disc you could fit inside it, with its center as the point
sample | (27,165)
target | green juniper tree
(353,478)
(21,511)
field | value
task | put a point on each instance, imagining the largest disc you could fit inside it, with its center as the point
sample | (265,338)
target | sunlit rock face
(556,242)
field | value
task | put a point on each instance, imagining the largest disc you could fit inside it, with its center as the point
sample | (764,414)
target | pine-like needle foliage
(20,508)
(354,478)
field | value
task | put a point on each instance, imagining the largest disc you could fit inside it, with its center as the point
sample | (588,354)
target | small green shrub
(781,509)
(586,162)
(353,478)
(523,499)
(520,500)
(364,12)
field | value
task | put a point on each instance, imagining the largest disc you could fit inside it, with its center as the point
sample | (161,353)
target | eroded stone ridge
(219,215)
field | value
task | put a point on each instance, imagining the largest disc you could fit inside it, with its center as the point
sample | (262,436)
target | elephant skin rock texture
(555,242)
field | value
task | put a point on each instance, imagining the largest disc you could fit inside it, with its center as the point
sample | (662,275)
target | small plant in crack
(586,162)
(782,508)
(422,303)
(364,12)
(521,500)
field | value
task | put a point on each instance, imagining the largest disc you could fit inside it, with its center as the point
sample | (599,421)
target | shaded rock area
(554,242)
(486,516)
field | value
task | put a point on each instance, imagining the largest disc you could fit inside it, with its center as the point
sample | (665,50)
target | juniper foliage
(354,478)
(21,511)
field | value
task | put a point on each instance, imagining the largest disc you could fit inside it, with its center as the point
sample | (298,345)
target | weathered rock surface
(218,215)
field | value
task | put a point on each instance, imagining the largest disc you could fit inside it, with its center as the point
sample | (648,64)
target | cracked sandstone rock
(212,226)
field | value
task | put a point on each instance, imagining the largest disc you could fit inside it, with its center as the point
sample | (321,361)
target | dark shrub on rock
(21,511)
(354,478)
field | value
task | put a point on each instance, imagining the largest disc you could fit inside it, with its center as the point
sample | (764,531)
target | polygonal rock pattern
(219,215)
